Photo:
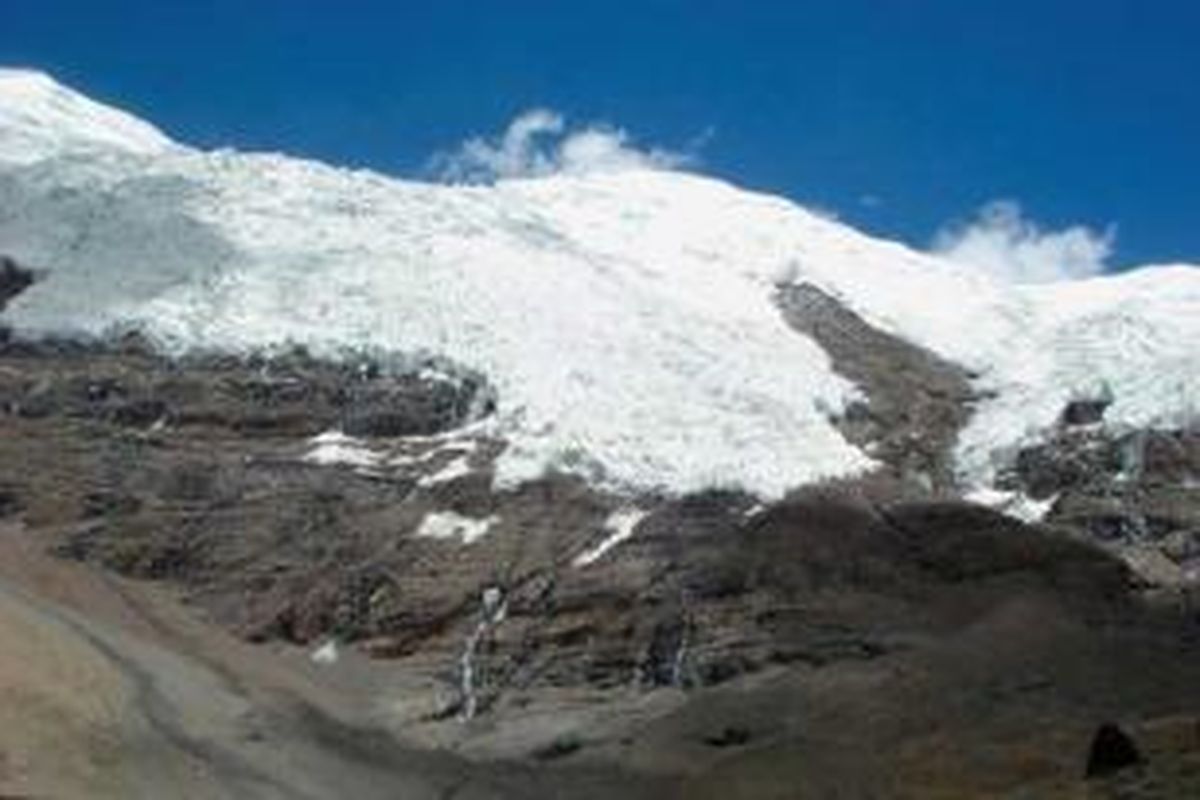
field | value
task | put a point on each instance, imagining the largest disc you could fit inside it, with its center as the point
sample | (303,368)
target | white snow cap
(40,118)
(625,318)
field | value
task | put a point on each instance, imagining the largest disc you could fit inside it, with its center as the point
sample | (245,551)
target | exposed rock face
(916,402)
(293,394)
(13,280)
(1085,411)
(1135,492)
(196,475)
(861,612)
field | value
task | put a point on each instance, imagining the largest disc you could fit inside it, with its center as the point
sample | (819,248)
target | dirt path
(91,709)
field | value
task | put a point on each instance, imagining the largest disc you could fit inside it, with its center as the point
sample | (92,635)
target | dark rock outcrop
(1134,492)
(916,402)
(1084,411)
(288,394)
(1111,751)
(14,279)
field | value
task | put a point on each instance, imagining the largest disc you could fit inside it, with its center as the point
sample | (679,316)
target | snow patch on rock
(620,526)
(336,448)
(1014,504)
(326,655)
(457,468)
(450,525)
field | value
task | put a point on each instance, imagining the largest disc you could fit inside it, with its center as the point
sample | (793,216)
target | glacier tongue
(619,349)
(625,317)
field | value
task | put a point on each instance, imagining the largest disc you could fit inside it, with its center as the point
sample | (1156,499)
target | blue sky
(899,116)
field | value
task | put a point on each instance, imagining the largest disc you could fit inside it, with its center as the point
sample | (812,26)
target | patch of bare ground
(914,403)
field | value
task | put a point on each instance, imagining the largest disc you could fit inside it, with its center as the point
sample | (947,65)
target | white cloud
(538,143)
(1013,248)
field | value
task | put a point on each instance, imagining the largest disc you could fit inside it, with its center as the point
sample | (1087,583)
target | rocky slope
(874,637)
(1134,492)
(314,482)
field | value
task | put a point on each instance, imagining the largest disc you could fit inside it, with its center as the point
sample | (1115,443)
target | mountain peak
(40,118)
(629,321)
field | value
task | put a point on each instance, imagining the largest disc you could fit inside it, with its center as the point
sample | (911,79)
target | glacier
(625,317)
(39,117)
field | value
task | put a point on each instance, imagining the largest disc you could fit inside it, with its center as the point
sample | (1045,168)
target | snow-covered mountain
(627,319)
(39,119)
